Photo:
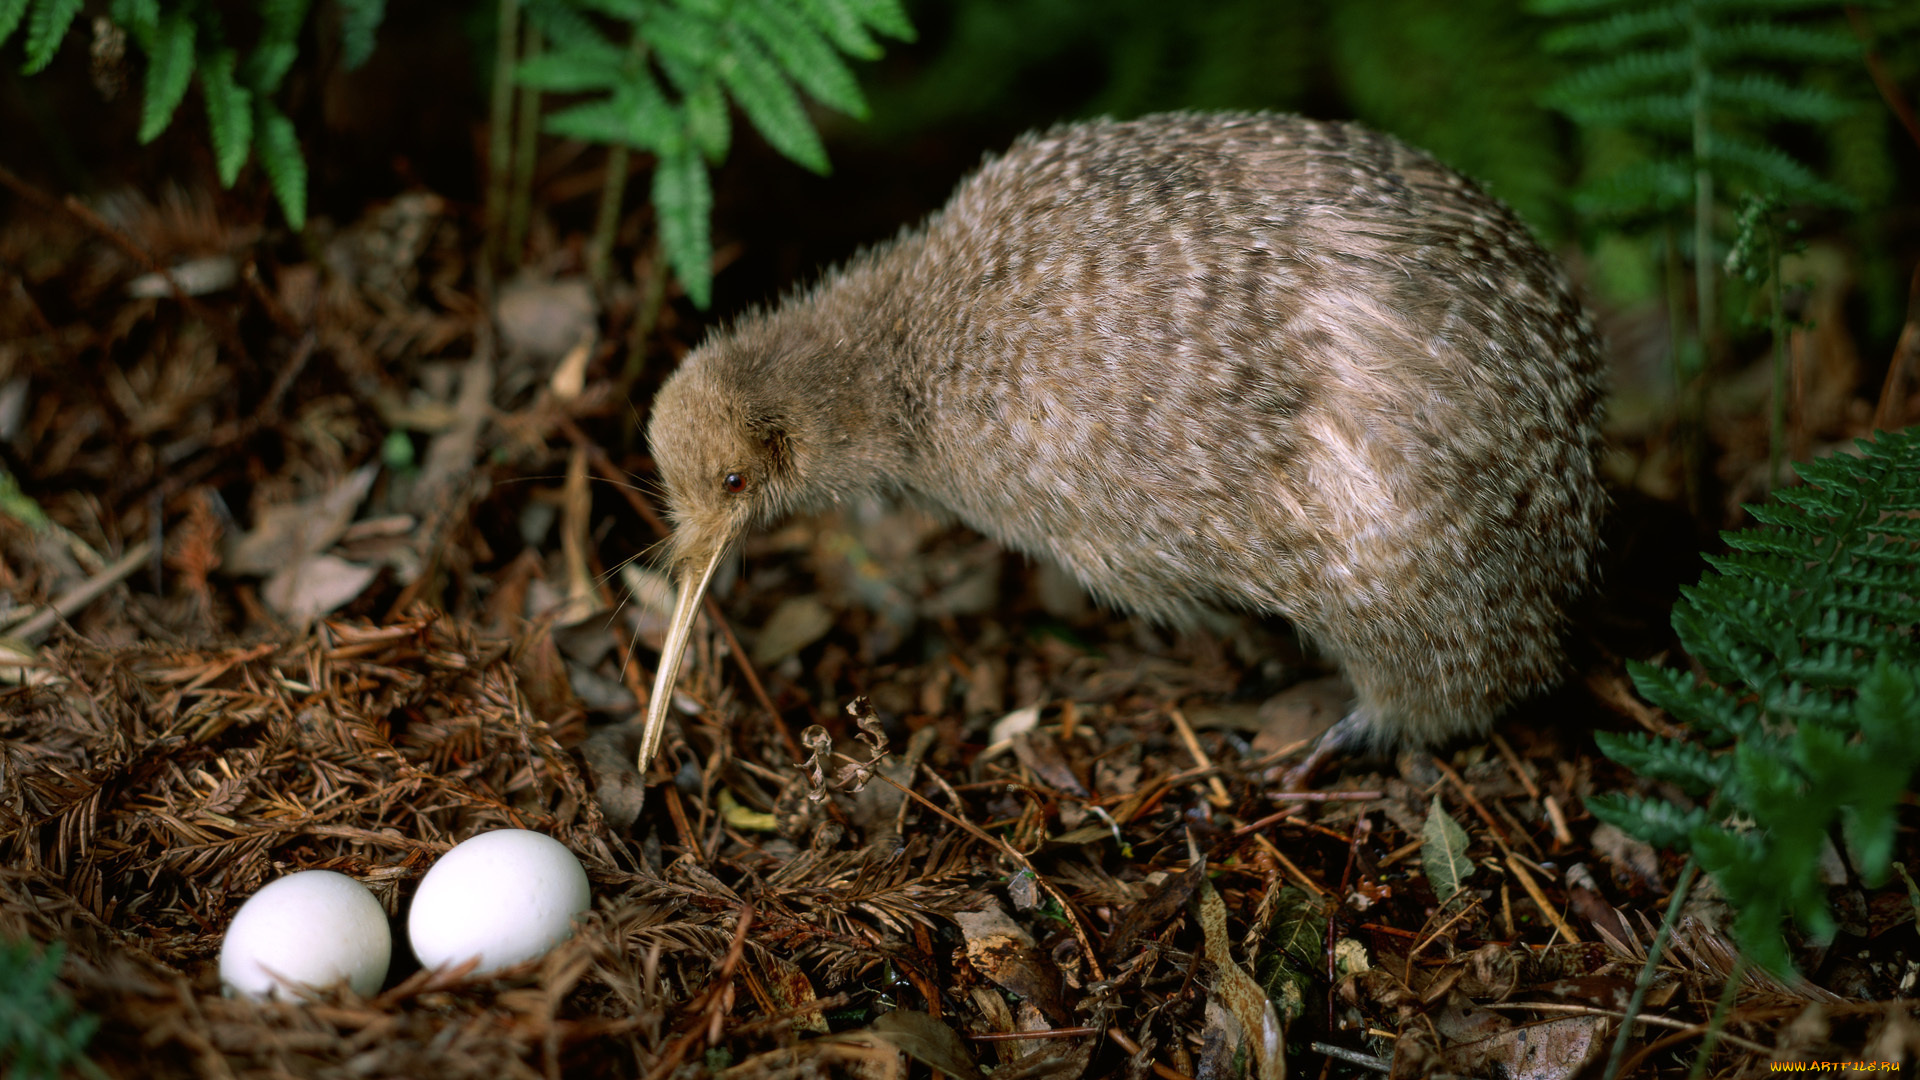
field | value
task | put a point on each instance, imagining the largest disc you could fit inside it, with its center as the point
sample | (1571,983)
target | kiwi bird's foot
(1353,732)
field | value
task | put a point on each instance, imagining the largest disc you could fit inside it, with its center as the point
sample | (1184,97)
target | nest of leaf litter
(148,793)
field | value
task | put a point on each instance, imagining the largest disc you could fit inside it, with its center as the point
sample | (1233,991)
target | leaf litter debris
(348,603)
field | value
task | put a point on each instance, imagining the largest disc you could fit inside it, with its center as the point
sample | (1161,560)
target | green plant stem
(1706,312)
(500,129)
(1718,1022)
(613,193)
(526,146)
(606,218)
(1618,1055)
(1707,308)
(653,294)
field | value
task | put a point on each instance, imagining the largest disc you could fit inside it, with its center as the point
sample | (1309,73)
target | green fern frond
(1633,71)
(1775,41)
(581,68)
(708,122)
(140,18)
(1562,8)
(625,10)
(566,28)
(46,28)
(1775,166)
(1656,821)
(279,45)
(841,23)
(169,70)
(359,21)
(885,17)
(756,82)
(638,115)
(1769,6)
(667,88)
(1769,97)
(10,15)
(678,35)
(229,114)
(279,148)
(1806,635)
(805,55)
(41,1035)
(1719,716)
(683,197)
(1691,766)
(1648,186)
(1667,112)
(1616,30)
(236,78)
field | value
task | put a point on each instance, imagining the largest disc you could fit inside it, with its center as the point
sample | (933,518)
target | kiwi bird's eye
(734,482)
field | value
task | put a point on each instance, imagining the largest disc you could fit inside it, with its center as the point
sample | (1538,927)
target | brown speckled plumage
(1230,360)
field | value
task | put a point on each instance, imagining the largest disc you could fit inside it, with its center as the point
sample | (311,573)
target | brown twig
(1480,810)
(1217,791)
(1132,1047)
(1890,412)
(1044,1033)
(717,993)
(64,606)
(1532,887)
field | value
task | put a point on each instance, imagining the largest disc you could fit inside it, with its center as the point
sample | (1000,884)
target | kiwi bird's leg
(693,575)
(1352,732)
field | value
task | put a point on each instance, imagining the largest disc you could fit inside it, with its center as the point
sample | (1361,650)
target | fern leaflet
(169,69)
(45,28)
(1809,713)
(41,1036)
(754,51)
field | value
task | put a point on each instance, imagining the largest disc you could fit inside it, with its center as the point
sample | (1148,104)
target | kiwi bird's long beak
(693,577)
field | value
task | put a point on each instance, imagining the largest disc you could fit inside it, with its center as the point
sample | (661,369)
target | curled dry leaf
(286,534)
(1259,1022)
(314,586)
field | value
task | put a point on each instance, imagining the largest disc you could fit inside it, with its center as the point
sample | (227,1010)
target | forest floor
(319,555)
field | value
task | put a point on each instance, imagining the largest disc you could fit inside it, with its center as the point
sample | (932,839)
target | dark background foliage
(1465,80)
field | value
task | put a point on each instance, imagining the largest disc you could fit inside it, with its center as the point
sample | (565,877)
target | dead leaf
(929,1042)
(286,534)
(544,319)
(617,784)
(798,622)
(1000,736)
(1004,952)
(1301,712)
(1549,1050)
(1237,990)
(1443,852)
(314,586)
(1148,915)
(450,456)
(792,990)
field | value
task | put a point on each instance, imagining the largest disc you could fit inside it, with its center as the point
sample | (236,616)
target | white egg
(505,897)
(315,927)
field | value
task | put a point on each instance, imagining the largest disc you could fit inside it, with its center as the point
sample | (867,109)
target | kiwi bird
(1199,360)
